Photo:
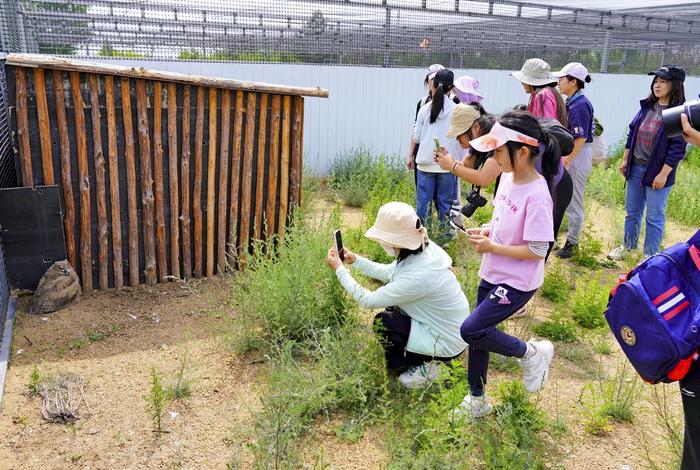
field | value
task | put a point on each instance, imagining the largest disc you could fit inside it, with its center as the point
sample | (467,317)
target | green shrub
(35,379)
(557,328)
(587,251)
(610,399)
(287,293)
(557,283)
(348,375)
(353,175)
(156,401)
(589,303)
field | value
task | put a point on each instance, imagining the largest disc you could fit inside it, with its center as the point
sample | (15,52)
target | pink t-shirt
(543,104)
(522,213)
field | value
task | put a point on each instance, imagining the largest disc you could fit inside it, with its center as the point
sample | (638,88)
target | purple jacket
(667,150)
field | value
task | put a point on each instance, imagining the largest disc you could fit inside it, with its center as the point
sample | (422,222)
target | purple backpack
(654,313)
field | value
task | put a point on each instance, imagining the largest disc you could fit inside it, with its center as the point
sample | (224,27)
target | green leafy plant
(587,251)
(610,399)
(35,380)
(94,335)
(557,283)
(589,303)
(156,400)
(557,327)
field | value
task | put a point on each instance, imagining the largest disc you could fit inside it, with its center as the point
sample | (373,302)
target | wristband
(453,167)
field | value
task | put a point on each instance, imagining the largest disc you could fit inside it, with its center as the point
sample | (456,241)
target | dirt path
(114,338)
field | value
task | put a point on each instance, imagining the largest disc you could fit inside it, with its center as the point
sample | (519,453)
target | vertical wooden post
(130,183)
(284,165)
(161,246)
(223,177)
(296,173)
(147,199)
(114,183)
(235,175)
(173,179)
(100,191)
(197,188)
(260,176)
(81,150)
(211,182)
(66,181)
(185,186)
(42,109)
(246,177)
(25,155)
(273,164)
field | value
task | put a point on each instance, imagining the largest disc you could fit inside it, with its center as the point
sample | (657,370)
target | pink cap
(433,69)
(466,89)
(575,69)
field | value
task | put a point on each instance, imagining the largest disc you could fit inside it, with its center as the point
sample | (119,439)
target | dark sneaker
(568,251)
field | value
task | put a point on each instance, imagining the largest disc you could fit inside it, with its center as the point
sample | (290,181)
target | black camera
(474,201)
(672,117)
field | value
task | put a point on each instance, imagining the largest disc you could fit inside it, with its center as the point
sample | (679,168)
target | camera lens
(672,117)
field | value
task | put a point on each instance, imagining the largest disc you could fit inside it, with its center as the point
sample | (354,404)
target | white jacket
(424,287)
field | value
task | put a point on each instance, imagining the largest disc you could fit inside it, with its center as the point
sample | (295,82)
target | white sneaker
(472,407)
(423,375)
(536,368)
(618,253)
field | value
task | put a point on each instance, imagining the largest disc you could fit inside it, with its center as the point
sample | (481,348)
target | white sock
(530,351)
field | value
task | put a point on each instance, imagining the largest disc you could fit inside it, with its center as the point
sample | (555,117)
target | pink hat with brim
(466,86)
(397,225)
(498,136)
(433,69)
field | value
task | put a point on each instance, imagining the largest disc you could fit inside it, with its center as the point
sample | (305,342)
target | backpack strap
(695,255)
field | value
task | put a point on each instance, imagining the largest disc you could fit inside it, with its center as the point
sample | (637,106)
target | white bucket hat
(398,225)
(535,72)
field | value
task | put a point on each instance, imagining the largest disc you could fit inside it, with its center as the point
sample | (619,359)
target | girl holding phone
(514,247)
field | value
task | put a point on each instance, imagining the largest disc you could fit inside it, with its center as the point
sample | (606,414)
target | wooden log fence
(103,133)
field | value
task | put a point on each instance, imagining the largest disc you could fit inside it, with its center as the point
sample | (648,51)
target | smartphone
(339,244)
(437,143)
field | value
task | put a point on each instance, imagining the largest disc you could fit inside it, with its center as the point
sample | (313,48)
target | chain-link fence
(485,34)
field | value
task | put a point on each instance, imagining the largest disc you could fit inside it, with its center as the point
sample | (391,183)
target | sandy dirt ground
(114,338)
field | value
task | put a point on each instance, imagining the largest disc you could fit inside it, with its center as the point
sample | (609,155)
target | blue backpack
(654,313)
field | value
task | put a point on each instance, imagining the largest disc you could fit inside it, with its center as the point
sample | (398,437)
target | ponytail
(551,160)
(437,103)
(527,124)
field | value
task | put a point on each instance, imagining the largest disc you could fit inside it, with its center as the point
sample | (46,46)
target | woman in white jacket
(424,302)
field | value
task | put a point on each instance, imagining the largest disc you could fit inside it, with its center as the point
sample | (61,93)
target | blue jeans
(438,188)
(638,197)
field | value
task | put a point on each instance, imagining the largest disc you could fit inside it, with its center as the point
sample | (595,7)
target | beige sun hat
(463,118)
(535,72)
(397,225)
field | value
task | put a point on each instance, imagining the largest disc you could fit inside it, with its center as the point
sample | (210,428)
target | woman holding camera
(649,163)
(423,301)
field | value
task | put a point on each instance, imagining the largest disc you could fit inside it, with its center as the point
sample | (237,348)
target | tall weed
(287,293)
(589,302)
(354,174)
(557,283)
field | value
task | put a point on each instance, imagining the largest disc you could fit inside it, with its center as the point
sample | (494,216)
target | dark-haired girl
(649,163)
(413,146)
(572,80)
(435,185)
(514,247)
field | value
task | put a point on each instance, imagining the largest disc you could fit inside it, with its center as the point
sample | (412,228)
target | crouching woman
(423,301)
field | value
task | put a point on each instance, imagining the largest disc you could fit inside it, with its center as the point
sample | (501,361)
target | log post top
(62,63)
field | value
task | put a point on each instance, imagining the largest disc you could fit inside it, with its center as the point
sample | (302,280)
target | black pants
(563,193)
(393,327)
(690,393)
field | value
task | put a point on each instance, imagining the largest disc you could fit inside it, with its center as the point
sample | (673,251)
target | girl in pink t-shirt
(514,247)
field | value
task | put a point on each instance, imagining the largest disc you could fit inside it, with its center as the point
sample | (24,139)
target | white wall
(375,107)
